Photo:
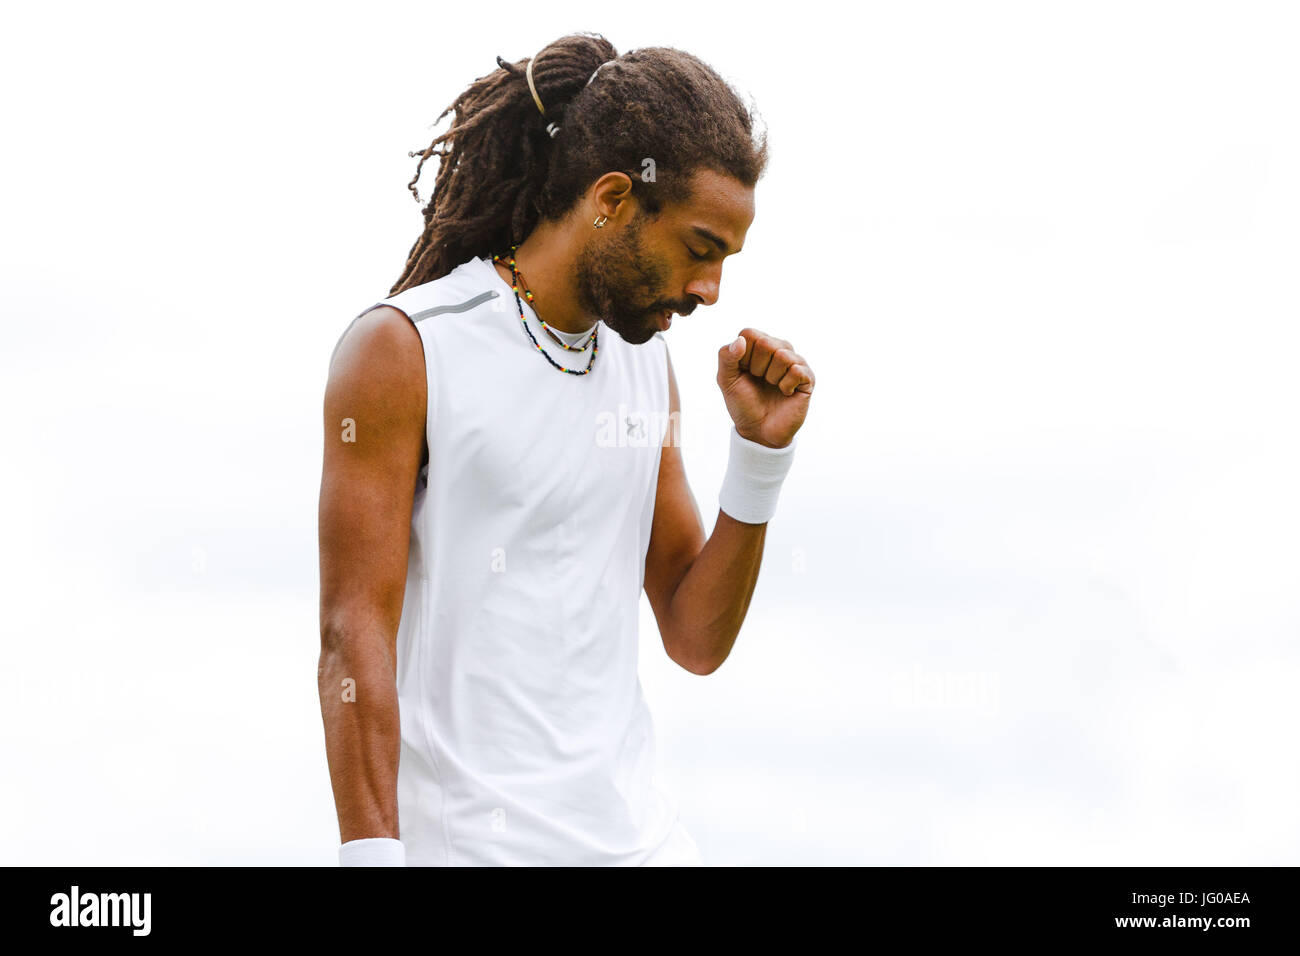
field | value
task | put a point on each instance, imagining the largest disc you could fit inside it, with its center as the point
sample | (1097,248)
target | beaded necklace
(518,282)
(528,294)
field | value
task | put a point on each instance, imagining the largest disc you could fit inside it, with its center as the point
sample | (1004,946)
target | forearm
(712,598)
(358,696)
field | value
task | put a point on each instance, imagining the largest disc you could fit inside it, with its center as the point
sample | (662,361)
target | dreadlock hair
(501,171)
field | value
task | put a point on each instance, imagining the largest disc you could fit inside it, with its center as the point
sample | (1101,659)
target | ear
(611,195)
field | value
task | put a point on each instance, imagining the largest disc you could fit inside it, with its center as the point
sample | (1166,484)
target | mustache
(682,310)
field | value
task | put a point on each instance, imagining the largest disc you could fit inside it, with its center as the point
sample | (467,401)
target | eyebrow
(713,238)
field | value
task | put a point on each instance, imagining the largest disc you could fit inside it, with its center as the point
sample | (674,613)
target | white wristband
(373,851)
(753,479)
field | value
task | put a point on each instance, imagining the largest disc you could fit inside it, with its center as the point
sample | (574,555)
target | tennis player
(502,475)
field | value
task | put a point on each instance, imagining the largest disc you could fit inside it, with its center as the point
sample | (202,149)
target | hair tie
(536,99)
(553,128)
(595,71)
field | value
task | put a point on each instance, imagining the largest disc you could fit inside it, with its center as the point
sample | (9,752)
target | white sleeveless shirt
(525,736)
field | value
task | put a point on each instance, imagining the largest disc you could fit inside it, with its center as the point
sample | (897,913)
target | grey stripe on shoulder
(458,307)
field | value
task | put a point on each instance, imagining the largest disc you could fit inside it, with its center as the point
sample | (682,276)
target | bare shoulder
(382,332)
(377,372)
(380,354)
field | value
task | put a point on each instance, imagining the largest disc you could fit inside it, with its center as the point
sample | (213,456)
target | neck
(544,259)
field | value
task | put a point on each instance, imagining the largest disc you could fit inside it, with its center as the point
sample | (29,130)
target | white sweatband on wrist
(753,479)
(372,851)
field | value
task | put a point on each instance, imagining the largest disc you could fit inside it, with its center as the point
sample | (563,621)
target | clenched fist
(766,385)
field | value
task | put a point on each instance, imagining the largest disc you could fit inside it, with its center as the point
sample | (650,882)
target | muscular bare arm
(699,590)
(374,418)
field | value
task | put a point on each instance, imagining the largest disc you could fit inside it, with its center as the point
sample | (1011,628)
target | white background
(1031,594)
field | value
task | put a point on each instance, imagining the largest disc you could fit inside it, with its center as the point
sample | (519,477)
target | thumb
(729,356)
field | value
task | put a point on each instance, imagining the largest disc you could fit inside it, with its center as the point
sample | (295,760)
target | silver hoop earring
(600,222)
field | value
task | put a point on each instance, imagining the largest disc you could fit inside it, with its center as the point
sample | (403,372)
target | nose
(705,288)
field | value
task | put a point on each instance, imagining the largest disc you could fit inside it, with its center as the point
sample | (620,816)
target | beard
(620,283)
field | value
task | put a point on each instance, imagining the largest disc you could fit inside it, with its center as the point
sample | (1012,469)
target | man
(489,515)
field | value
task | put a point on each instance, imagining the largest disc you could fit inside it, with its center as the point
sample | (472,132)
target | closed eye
(696,256)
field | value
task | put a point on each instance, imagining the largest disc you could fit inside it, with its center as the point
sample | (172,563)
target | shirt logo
(638,427)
